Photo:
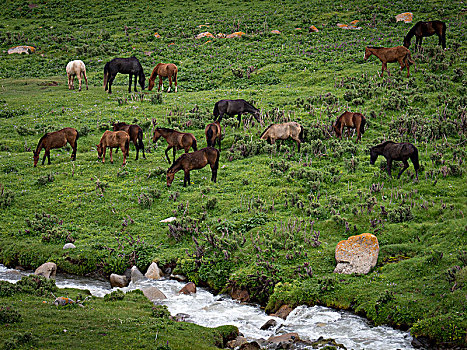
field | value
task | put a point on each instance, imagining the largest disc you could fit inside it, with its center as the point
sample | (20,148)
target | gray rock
(69,246)
(118,281)
(239,341)
(181,317)
(153,293)
(48,270)
(153,272)
(178,278)
(127,273)
(136,275)
(283,312)
(250,346)
(269,324)
(189,288)
(284,338)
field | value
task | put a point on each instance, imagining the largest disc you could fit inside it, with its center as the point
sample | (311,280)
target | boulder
(357,254)
(21,49)
(180,317)
(199,36)
(239,341)
(241,295)
(136,275)
(284,338)
(179,278)
(269,324)
(283,312)
(153,272)
(48,270)
(69,246)
(153,294)
(313,29)
(127,274)
(172,218)
(406,17)
(119,281)
(275,31)
(250,346)
(189,288)
(235,35)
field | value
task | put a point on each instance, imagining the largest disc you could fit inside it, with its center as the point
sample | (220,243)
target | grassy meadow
(271,223)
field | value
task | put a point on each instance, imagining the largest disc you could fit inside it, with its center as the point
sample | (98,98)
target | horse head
(142,79)
(373,155)
(151,84)
(156,135)
(100,150)
(170,177)
(337,129)
(406,42)
(368,53)
(36,158)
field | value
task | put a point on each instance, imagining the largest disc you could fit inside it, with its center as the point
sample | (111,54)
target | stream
(209,310)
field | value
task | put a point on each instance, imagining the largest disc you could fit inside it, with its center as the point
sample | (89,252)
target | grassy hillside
(271,223)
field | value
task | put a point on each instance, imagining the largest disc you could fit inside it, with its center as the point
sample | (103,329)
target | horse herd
(122,133)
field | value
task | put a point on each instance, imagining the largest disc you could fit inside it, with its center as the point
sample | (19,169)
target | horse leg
(124,154)
(79,80)
(86,80)
(239,118)
(129,85)
(111,80)
(111,159)
(74,147)
(160,84)
(136,79)
(406,165)
(69,81)
(214,172)
(175,81)
(389,166)
(186,179)
(219,141)
(43,158)
(167,154)
(170,83)
(175,152)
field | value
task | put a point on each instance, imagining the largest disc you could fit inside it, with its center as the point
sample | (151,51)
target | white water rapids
(209,310)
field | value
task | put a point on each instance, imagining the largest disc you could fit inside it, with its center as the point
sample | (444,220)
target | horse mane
(385,143)
(266,130)
(166,129)
(40,142)
(250,105)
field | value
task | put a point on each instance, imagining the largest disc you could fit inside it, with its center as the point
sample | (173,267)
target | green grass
(252,228)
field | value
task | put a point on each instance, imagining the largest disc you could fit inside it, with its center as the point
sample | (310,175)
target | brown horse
(195,160)
(176,140)
(114,139)
(424,29)
(396,151)
(283,132)
(213,133)
(164,70)
(136,135)
(351,121)
(399,54)
(56,139)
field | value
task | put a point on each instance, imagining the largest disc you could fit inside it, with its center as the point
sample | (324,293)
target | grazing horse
(195,160)
(396,151)
(399,54)
(56,139)
(424,29)
(129,66)
(213,133)
(136,135)
(351,121)
(163,70)
(114,139)
(76,69)
(176,140)
(235,107)
(283,132)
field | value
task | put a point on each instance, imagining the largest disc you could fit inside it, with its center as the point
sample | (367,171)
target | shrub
(160,311)
(9,315)
(45,179)
(6,197)
(156,99)
(36,285)
(400,214)
(115,295)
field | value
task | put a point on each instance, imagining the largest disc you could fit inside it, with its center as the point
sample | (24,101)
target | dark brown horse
(129,66)
(195,160)
(350,121)
(424,29)
(235,107)
(176,140)
(114,139)
(396,151)
(213,133)
(56,139)
(283,131)
(136,135)
(168,70)
(387,55)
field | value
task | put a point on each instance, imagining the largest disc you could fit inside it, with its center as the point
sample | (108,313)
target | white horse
(76,68)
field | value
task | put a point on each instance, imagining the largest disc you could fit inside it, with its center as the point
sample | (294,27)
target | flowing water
(209,310)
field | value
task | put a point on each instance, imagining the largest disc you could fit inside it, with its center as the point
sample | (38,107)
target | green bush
(9,315)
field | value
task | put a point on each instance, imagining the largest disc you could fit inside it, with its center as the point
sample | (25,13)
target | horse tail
(194,144)
(209,137)
(77,135)
(300,136)
(414,158)
(106,75)
(127,146)
(216,110)
(140,138)
(362,125)
(264,132)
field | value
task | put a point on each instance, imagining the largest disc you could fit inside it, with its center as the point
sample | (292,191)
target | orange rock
(235,35)
(157,35)
(204,35)
(275,31)
(354,22)
(220,35)
(313,29)
(357,254)
(407,17)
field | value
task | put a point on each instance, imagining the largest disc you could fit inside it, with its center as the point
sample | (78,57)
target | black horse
(235,107)
(396,151)
(129,66)
(422,29)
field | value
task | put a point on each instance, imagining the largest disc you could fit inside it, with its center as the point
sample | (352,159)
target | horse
(176,140)
(351,121)
(390,54)
(129,66)
(163,70)
(195,160)
(56,139)
(114,139)
(282,132)
(213,133)
(136,135)
(76,69)
(396,151)
(425,29)
(235,107)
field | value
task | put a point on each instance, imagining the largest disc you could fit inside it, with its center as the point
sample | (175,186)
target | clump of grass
(6,197)
(45,179)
